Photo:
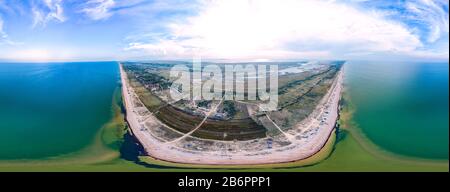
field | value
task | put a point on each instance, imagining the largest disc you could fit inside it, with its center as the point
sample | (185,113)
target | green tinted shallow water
(402,107)
(53,109)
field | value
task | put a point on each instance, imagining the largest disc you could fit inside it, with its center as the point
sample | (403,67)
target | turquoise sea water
(402,106)
(48,109)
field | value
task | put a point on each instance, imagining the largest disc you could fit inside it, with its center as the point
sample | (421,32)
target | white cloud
(137,9)
(4,39)
(237,29)
(431,13)
(98,9)
(2,33)
(47,10)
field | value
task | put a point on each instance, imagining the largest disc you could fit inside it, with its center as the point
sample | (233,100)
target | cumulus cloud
(98,9)
(281,30)
(47,10)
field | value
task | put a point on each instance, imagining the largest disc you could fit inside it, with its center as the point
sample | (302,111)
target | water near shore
(52,109)
(402,107)
(49,109)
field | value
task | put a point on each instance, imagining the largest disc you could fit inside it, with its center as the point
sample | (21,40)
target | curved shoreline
(371,147)
(315,158)
(83,156)
(293,153)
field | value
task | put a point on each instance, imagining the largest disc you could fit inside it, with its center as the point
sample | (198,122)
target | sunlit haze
(57,30)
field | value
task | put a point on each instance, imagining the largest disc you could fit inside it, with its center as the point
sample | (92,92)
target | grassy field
(150,101)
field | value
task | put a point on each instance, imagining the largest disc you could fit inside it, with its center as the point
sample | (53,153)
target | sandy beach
(305,140)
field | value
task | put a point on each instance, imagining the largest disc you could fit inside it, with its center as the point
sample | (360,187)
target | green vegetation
(203,103)
(228,107)
(150,101)
(244,128)
(350,152)
(240,129)
(299,98)
(149,75)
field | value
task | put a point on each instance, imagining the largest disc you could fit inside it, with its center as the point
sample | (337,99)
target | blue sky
(76,30)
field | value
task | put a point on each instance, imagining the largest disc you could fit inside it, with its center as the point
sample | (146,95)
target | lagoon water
(49,109)
(53,109)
